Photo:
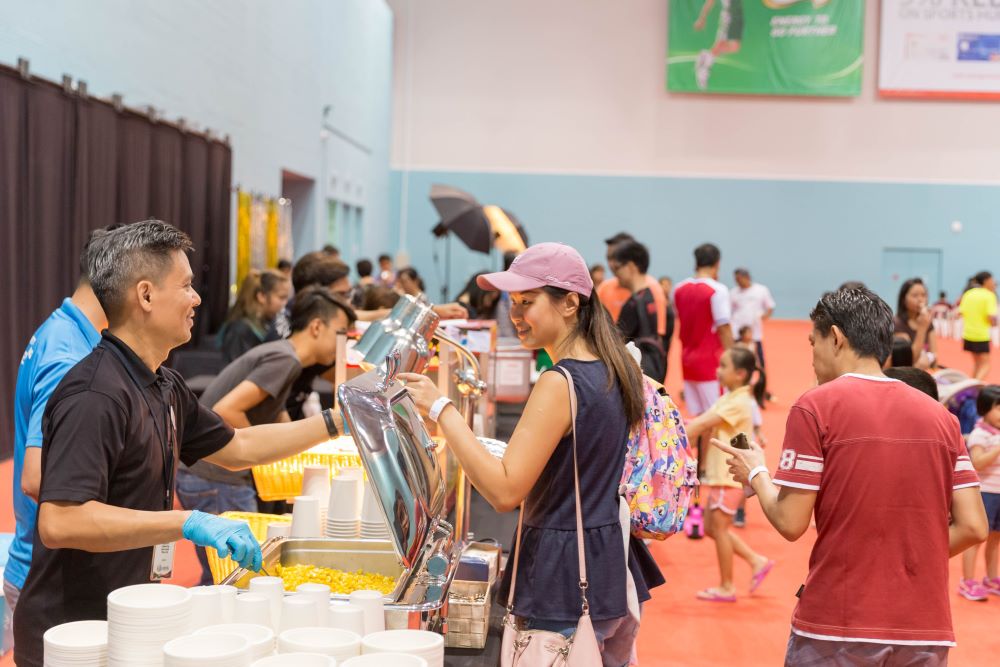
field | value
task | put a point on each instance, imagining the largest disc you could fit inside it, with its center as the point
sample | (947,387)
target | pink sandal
(760,575)
(712,595)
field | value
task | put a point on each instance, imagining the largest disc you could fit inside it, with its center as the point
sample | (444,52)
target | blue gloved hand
(226,536)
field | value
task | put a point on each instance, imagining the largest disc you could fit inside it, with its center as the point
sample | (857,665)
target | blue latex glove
(226,536)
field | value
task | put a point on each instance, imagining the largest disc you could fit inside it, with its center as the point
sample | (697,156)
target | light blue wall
(800,238)
(259,71)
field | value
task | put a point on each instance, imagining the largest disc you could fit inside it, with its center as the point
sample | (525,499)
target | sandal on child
(760,575)
(713,595)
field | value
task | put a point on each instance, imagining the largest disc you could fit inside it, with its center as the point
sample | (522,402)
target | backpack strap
(581,555)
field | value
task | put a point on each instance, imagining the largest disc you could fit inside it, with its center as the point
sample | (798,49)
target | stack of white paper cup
(316,483)
(273,588)
(347,617)
(297,611)
(227,596)
(320,595)
(206,606)
(371,603)
(343,516)
(253,608)
(305,517)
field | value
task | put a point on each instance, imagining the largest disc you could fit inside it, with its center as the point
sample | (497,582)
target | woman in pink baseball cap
(554,307)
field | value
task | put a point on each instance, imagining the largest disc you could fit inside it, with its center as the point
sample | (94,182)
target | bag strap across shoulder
(582,559)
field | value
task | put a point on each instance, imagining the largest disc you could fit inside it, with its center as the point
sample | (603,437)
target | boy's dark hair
(376,297)
(744,329)
(902,352)
(852,284)
(942,295)
(317,268)
(618,238)
(364,267)
(705,255)
(862,316)
(982,277)
(742,272)
(916,378)
(318,303)
(384,258)
(989,396)
(329,249)
(284,264)
(631,251)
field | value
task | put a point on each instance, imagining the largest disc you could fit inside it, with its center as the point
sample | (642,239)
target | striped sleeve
(801,463)
(964,474)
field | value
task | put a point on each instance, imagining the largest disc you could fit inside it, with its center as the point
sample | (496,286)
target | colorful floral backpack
(661,474)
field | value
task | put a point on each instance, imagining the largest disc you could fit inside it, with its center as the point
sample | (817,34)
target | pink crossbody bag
(538,648)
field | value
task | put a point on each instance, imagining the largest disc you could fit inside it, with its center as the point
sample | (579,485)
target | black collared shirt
(104,429)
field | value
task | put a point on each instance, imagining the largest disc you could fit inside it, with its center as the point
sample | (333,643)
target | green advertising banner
(766,47)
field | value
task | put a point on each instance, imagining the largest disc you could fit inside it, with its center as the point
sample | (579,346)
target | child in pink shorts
(730,414)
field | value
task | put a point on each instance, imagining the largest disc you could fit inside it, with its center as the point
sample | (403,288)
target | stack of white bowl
(141,619)
(385,660)
(419,643)
(261,637)
(339,644)
(372,520)
(77,644)
(296,660)
(222,650)
(343,516)
(305,517)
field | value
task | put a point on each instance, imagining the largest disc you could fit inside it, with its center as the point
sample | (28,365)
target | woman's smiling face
(537,319)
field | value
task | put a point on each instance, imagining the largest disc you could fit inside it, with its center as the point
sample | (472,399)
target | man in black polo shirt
(113,432)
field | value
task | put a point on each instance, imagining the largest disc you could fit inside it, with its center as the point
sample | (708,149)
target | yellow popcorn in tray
(339,581)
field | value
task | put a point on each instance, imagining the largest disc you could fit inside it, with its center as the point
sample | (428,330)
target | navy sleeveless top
(548,575)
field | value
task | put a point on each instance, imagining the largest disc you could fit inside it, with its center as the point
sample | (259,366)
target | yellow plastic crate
(223,567)
(282,480)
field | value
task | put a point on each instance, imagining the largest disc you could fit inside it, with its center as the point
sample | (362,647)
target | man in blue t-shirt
(66,337)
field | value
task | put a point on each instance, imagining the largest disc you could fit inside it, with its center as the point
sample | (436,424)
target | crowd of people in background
(281,335)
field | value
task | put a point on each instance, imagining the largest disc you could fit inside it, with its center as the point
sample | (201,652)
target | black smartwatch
(331,426)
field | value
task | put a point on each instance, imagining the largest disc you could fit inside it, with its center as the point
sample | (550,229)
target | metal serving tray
(419,599)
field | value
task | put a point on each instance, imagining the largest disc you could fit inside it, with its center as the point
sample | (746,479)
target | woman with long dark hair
(263,294)
(914,322)
(554,307)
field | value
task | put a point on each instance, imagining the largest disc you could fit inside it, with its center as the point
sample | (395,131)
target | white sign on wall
(940,48)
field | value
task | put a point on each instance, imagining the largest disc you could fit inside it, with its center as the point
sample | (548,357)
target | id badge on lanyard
(162,566)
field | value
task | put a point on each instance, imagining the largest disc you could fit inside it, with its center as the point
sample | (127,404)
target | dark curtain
(69,165)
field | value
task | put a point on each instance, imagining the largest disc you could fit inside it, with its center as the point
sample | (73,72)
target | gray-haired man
(114,430)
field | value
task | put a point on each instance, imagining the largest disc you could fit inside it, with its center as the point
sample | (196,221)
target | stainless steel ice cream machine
(408,472)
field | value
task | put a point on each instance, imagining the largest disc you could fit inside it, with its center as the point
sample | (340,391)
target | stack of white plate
(372,520)
(385,660)
(78,644)
(339,644)
(261,637)
(141,619)
(296,660)
(228,650)
(419,643)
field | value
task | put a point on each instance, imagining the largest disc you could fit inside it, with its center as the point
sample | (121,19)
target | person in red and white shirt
(703,308)
(883,466)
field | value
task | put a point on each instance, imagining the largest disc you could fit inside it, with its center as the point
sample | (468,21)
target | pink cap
(543,264)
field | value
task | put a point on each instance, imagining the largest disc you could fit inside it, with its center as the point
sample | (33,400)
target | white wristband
(437,408)
(756,471)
